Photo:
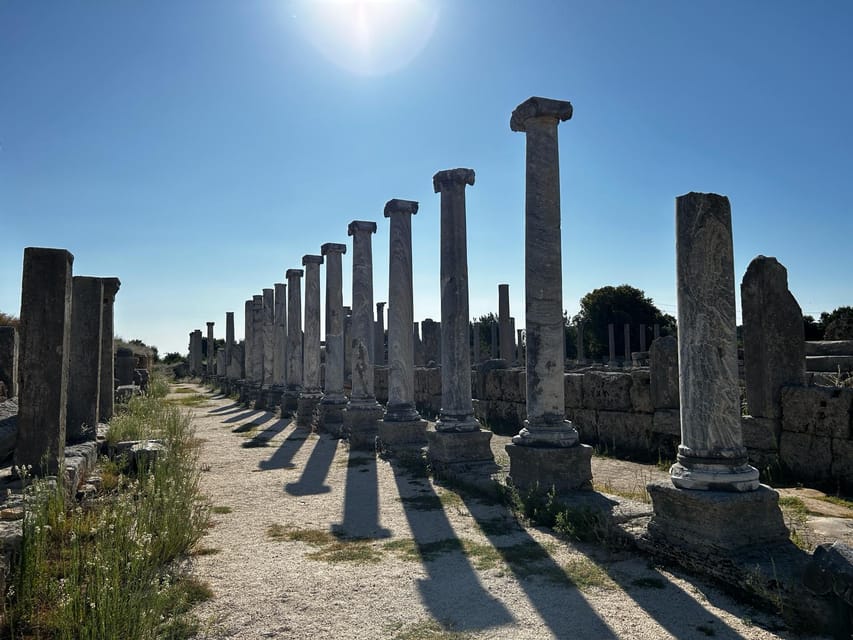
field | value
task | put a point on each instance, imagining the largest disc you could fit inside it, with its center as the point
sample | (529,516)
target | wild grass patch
(328,547)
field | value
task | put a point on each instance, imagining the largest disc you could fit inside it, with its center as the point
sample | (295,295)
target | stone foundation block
(761,433)
(806,456)
(641,392)
(608,391)
(708,521)
(573,388)
(620,430)
(361,426)
(667,421)
(823,411)
(544,468)
(842,461)
(306,410)
(586,422)
(330,418)
(400,437)
(450,447)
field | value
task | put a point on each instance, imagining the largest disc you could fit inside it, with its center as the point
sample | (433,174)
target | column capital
(293,273)
(333,247)
(450,177)
(380,305)
(400,206)
(311,259)
(535,107)
(364,226)
(111,287)
(210,325)
(270,289)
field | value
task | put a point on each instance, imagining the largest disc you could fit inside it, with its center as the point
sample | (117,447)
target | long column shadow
(312,480)
(554,595)
(262,438)
(361,500)
(283,456)
(228,408)
(452,591)
(256,415)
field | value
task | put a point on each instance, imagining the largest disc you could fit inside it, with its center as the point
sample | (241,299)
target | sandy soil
(436,564)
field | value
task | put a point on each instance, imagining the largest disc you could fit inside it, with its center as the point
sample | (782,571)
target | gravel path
(432,563)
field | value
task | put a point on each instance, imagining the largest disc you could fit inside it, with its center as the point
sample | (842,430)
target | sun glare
(370,37)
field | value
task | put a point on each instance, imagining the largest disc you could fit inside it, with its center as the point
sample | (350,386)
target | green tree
(8,320)
(486,321)
(838,324)
(619,305)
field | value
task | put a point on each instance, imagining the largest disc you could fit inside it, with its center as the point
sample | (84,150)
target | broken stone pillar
(457,437)
(333,402)
(84,365)
(211,351)
(546,452)
(379,338)
(475,343)
(663,373)
(504,328)
(124,363)
(229,340)
(279,356)
(432,341)
(293,372)
(402,428)
(9,360)
(581,355)
(195,356)
(362,414)
(611,338)
(310,394)
(106,396)
(269,336)
(45,334)
(626,363)
(774,347)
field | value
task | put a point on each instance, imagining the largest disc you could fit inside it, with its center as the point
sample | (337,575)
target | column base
(538,468)
(290,402)
(562,435)
(449,423)
(330,416)
(262,399)
(701,522)
(306,408)
(686,474)
(361,425)
(446,447)
(403,437)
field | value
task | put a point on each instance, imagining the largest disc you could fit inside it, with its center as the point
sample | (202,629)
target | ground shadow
(256,415)
(262,438)
(282,457)
(452,591)
(312,480)
(234,407)
(361,499)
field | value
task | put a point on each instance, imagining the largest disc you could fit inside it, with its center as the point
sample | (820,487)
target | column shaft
(87,319)
(106,397)
(362,312)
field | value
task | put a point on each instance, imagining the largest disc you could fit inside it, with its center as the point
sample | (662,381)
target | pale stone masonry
(457,437)
(402,426)
(362,412)
(546,452)
(87,321)
(293,371)
(310,394)
(45,334)
(106,397)
(333,402)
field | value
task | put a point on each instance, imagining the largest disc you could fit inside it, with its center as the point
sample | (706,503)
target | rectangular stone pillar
(44,347)
(504,329)
(9,360)
(106,397)
(84,390)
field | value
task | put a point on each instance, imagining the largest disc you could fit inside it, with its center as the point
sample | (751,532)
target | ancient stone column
(379,338)
(347,313)
(84,366)
(125,361)
(310,394)
(248,338)
(106,397)
(475,343)
(545,454)
(269,335)
(611,341)
(504,328)
(774,347)
(258,342)
(642,338)
(513,346)
(402,427)
(9,360)
(211,351)
(293,370)
(331,406)
(581,355)
(627,335)
(363,412)
(45,333)
(279,358)
(229,339)
(711,454)
(457,437)
(195,356)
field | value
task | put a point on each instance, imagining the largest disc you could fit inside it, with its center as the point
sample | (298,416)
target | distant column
(258,342)
(87,321)
(627,334)
(402,426)
(269,336)
(545,453)
(310,395)
(333,402)
(229,339)
(45,333)
(279,363)
(642,337)
(581,354)
(505,331)
(195,358)
(475,342)
(248,339)
(379,338)
(611,340)
(457,437)
(293,372)
(211,351)
(106,397)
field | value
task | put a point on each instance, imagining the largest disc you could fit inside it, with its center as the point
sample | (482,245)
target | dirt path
(432,563)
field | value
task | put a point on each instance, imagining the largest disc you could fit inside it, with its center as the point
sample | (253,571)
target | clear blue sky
(197,149)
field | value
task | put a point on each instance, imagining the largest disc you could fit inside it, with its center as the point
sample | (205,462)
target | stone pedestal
(85,361)
(106,397)
(546,468)
(330,416)
(447,449)
(361,425)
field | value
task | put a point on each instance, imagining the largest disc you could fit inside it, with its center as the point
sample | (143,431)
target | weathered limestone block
(823,411)
(842,462)
(829,348)
(505,384)
(124,363)
(609,391)
(503,415)
(431,340)
(565,468)
(806,455)
(663,371)
(620,431)
(573,383)
(586,422)
(667,421)
(773,336)
(641,394)
(380,383)
(761,433)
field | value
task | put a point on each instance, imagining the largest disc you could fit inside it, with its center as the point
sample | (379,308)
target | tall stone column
(611,343)
(211,351)
(627,335)
(258,342)
(347,345)
(84,367)
(311,394)
(505,340)
(45,334)
(334,401)
(725,508)
(293,370)
(457,437)
(363,412)
(229,338)
(279,356)
(546,452)
(402,428)
(379,337)
(269,335)
(106,397)
(248,342)
(195,357)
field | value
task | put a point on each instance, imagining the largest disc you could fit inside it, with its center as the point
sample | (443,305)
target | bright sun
(370,37)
